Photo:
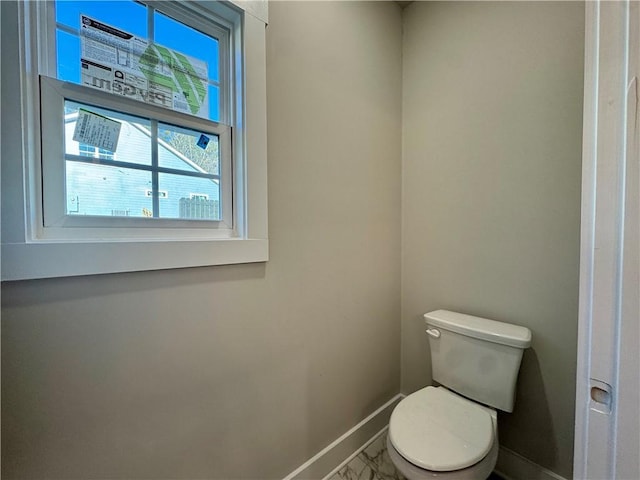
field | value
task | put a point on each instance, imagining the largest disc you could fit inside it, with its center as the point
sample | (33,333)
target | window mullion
(67,29)
(150,23)
(155,183)
(137,166)
(154,172)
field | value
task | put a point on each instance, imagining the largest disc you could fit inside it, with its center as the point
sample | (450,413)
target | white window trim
(26,254)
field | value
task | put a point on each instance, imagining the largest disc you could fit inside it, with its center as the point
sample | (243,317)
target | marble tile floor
(374,463)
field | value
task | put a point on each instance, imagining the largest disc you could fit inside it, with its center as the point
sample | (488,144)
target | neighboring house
(106,190)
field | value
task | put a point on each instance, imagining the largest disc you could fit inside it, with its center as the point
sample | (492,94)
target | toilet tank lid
(481,328)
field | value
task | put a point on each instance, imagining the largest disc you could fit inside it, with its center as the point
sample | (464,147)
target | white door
(607,444)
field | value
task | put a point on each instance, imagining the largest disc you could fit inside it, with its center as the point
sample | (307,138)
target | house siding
(95,189)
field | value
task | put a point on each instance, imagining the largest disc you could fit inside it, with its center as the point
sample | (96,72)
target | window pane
(200,68)
(185,149)
(127,15)
(107,191)
(177,36)
(68,48)
(134,141)
(189,197)
(214,103)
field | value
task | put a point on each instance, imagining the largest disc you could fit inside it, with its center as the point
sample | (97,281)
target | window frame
(57,224)
(28,251)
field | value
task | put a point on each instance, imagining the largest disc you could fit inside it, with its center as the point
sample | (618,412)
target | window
(176,136)
(141,141)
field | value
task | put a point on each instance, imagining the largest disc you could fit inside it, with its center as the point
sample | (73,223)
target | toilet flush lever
(435,333)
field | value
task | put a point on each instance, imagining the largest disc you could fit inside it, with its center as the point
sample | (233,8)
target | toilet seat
(440,431)
(479,471)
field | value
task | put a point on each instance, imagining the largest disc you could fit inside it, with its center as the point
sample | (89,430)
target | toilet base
(478,471)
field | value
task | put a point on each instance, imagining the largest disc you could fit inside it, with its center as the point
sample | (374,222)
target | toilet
(451,431)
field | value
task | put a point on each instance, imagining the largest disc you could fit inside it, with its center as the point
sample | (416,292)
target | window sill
(55,259)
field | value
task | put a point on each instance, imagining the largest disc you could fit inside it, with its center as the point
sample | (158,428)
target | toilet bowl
(450,432)
(438,434)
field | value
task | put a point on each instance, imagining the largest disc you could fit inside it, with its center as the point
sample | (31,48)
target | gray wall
(492,117)
(247,371)
(241,371)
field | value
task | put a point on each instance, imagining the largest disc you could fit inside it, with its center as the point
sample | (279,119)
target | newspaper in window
(121,63)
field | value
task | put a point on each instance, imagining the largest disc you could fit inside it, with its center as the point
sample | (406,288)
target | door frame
(607,443)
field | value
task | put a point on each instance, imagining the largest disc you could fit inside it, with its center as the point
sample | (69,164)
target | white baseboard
(513,466)
(347,446)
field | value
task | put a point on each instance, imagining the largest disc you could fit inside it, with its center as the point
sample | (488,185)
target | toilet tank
(476,357)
